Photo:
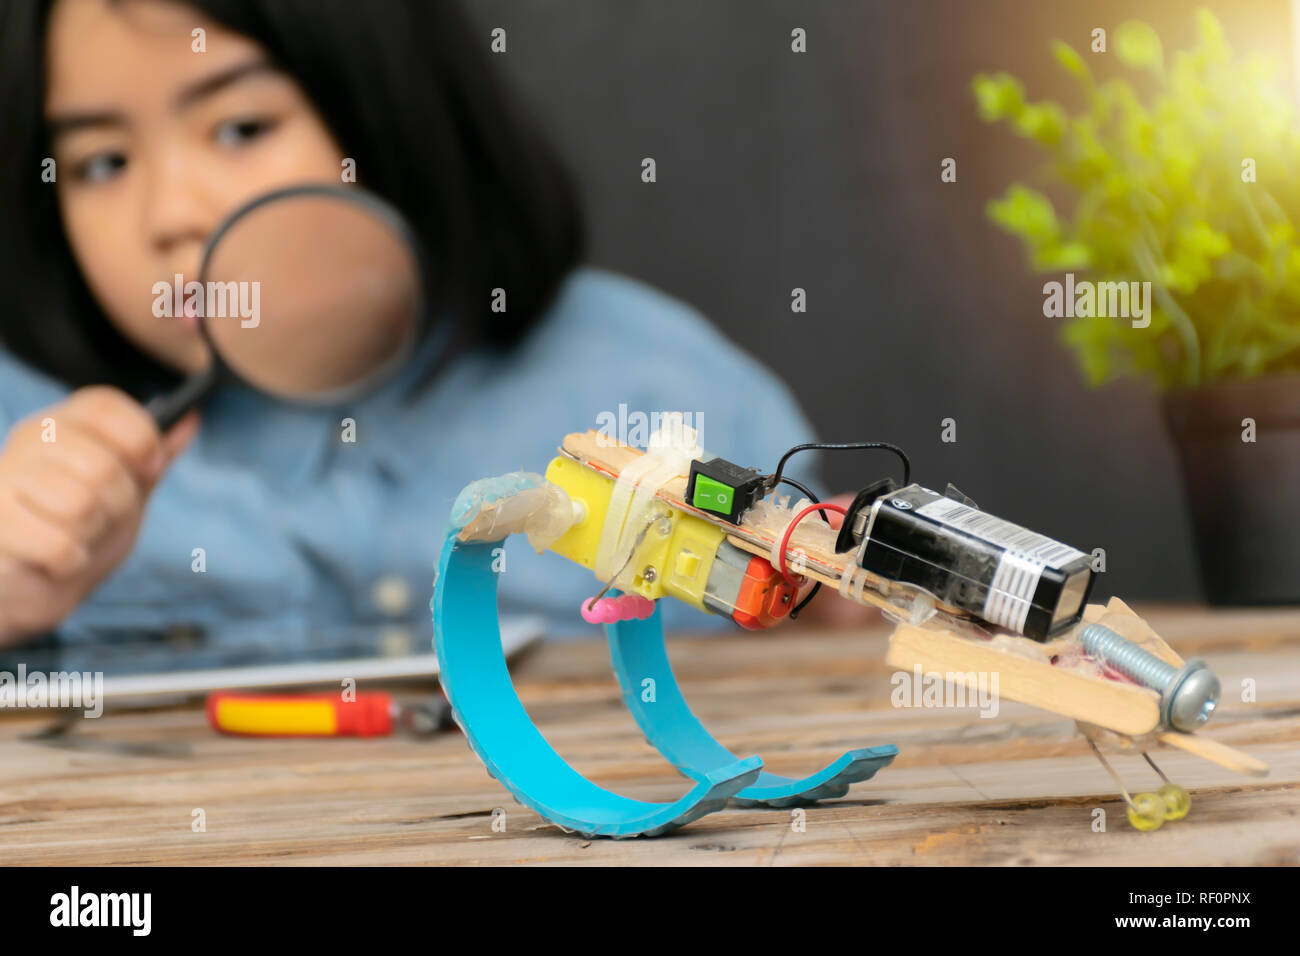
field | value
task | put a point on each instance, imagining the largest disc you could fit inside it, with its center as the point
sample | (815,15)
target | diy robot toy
(970,593)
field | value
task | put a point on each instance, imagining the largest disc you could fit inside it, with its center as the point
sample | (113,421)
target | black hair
(408,91)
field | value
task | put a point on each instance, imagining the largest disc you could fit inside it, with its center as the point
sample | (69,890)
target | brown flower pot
(1244,496)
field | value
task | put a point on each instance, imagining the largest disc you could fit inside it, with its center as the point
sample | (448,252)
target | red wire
(785,538)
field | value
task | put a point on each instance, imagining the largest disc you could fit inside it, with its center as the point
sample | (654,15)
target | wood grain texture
(1019,788)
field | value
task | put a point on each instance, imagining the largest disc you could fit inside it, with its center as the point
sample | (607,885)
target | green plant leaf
(998,97)
(1044,122)
(1138,46)
(1071,61)
(1160,197)
(1026,213)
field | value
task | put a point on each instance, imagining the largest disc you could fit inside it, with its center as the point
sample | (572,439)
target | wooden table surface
(1020,788)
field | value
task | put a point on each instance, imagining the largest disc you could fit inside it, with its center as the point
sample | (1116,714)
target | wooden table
(1019,788)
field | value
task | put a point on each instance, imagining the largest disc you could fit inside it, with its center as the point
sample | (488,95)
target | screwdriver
(371,714)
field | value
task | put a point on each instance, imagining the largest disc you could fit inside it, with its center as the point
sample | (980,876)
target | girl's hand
(74,479)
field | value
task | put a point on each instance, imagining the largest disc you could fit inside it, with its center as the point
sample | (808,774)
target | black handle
(167,409)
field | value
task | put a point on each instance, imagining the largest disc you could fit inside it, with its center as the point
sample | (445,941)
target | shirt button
(396,642)
(185,636)
(391,595)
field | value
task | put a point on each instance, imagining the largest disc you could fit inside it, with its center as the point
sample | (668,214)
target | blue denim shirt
(308,538)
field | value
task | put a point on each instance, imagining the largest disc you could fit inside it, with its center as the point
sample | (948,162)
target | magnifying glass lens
(311,296)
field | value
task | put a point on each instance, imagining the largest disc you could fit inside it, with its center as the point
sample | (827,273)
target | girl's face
(154,143)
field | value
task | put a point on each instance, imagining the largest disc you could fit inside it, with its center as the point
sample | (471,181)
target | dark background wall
(821,170)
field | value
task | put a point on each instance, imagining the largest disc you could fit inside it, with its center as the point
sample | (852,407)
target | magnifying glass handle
(167,409)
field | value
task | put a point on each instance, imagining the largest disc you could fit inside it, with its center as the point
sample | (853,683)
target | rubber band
(847,582)
(854,583)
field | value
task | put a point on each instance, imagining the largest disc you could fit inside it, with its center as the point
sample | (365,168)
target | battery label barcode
(1036,547)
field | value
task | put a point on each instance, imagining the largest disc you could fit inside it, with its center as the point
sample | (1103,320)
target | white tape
(668,455)
(616,514)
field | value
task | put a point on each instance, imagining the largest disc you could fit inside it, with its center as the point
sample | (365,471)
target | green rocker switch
(723,488)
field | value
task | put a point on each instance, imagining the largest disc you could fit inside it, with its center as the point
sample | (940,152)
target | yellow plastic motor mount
(679,549)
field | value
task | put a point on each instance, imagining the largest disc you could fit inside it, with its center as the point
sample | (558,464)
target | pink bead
(636,606)
(593,614)
(625,608)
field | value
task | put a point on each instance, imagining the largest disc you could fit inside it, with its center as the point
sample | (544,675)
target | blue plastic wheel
(637,652)
(467,637)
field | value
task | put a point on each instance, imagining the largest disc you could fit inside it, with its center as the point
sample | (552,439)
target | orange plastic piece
(765,596)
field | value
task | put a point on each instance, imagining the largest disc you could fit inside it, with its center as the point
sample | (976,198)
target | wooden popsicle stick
(818,559)
(1124,708)
(1215,752)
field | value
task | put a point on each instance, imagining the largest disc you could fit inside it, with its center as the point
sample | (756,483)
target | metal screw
(1187,697)
(649,574)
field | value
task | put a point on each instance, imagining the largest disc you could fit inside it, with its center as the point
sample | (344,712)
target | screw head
(1190,698)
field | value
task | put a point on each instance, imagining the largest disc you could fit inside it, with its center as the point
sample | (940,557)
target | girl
(132,127)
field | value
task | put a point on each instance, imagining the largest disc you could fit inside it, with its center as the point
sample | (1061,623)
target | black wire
(777,477)
(808,494)
(794,611)
(817,585)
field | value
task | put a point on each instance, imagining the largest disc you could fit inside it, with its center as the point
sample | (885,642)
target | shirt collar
(292,443)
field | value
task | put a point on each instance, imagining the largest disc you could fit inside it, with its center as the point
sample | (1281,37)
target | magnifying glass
(312,294)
